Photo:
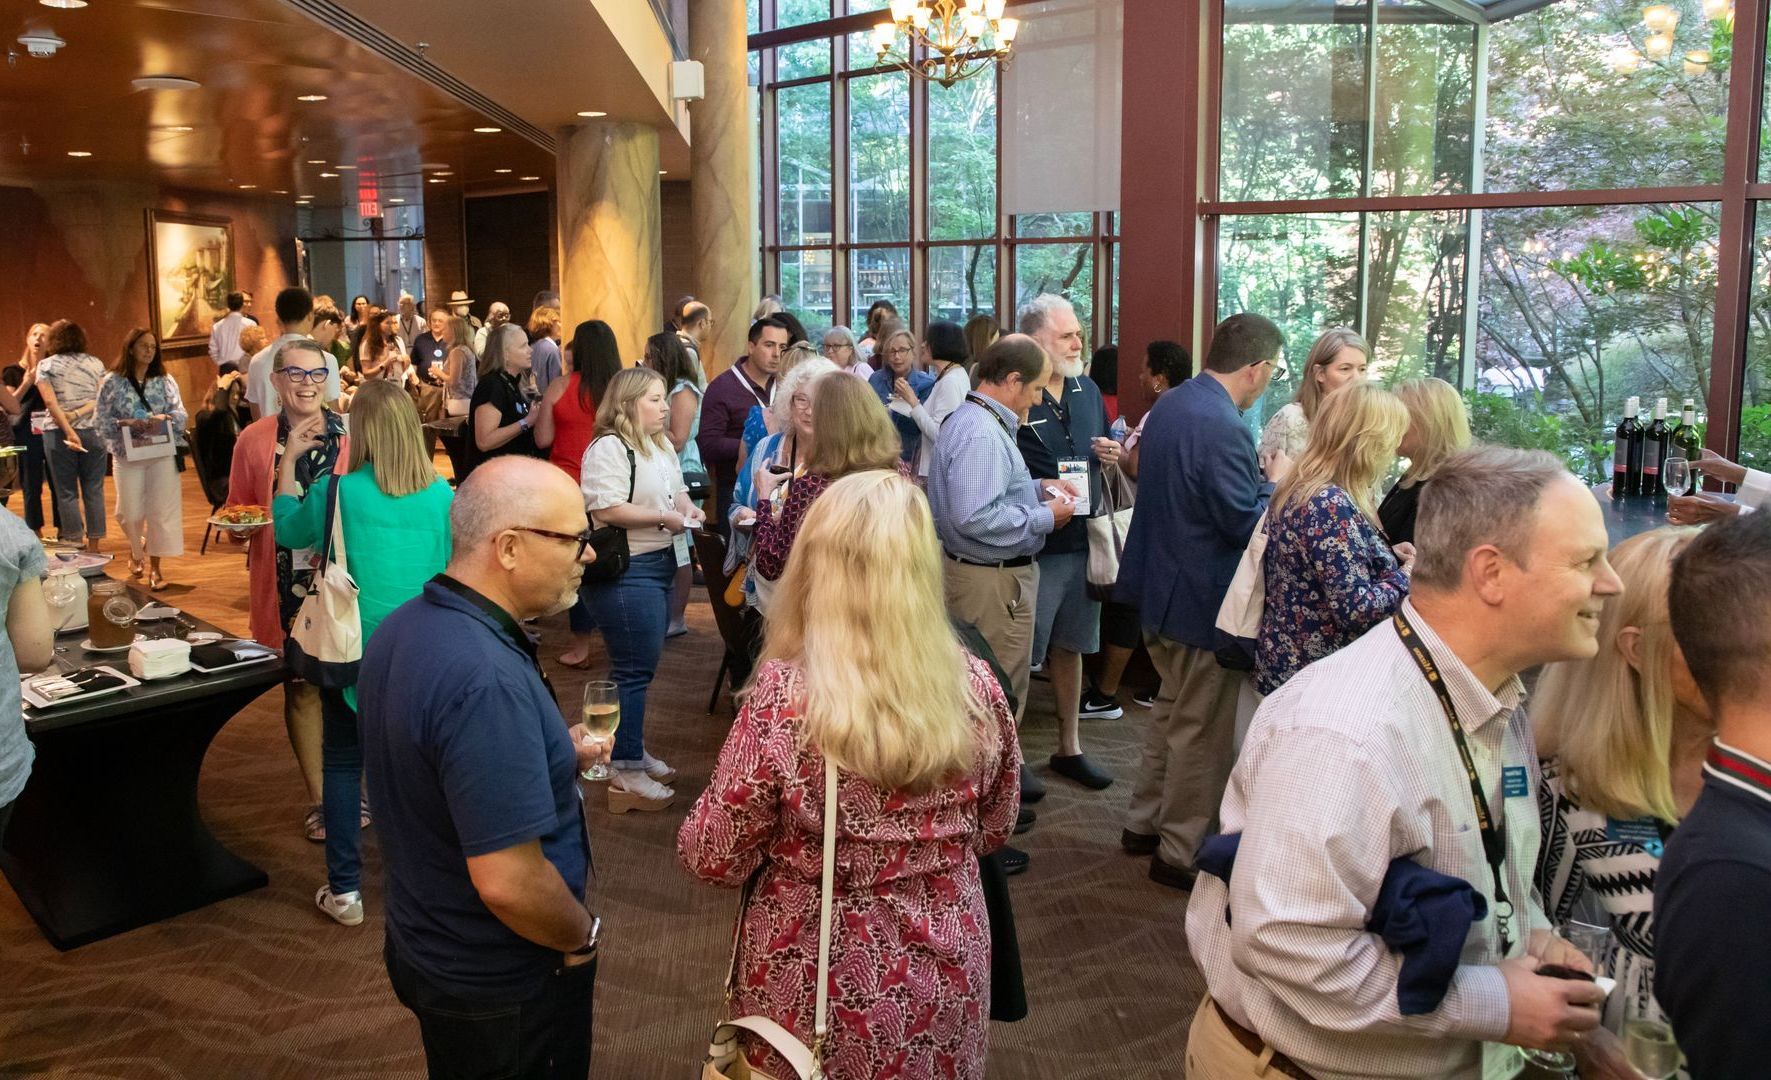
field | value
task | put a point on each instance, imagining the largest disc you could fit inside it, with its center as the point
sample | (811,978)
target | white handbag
(725,1057)
(1239,616)
(1106,539)
(325,642)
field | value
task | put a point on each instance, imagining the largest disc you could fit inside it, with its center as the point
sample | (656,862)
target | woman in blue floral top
(141,419)
(1330,574)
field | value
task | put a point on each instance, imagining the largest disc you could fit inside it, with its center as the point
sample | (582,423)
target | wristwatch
(590,940)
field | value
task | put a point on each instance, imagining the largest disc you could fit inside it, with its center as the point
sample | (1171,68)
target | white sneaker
(656,769)
(632,789)
(343,908)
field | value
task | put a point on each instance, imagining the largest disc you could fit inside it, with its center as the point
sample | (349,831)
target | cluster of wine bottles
(1639,460)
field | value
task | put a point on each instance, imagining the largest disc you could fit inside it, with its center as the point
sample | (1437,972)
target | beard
(1070,369)
(567,597)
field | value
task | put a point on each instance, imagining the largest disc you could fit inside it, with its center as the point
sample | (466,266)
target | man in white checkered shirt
(1353,763)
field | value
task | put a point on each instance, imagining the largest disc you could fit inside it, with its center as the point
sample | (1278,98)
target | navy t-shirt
(1712,947)
(1055,430)
(466,754)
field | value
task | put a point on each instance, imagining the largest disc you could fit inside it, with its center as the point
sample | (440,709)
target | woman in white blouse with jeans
(944,356)
(631,479)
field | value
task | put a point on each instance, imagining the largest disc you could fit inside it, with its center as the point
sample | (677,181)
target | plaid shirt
(1349,765)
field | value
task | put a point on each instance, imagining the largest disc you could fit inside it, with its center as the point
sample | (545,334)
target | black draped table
(107,835)
(1633,514)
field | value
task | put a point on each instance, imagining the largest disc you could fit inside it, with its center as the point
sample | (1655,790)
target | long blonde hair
(883,688)
(1610,724)
(852,432)
(1436,411)
(24,356)
(1352,444)
(1333,340)
(615,413)
(384,431)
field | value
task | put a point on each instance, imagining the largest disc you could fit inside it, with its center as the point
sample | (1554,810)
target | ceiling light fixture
(328,176)
(79,153)
(279,191)
(528,178)
(488,130)
(947,40)
(396,200)
(180,128)
(311,97)
(500,170)
(343,166)
(592,114)
(445,173)
(663,172)
(65,5)
(432,166)
(247,187)
(436,181)
(164,82)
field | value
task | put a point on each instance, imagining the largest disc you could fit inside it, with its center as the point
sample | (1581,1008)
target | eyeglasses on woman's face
(832,348)
(581,539)
(801,403)
(303,375)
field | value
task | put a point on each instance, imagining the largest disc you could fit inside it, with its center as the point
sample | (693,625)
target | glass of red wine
(1595,943)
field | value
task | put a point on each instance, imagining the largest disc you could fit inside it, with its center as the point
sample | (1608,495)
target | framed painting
(191,272)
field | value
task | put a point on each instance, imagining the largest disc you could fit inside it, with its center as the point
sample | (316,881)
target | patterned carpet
(263,986)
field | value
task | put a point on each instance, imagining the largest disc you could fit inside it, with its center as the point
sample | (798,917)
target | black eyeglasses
(581,539)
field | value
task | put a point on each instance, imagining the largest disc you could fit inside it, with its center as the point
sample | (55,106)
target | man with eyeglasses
(295,320)
(301,372)
(486,858)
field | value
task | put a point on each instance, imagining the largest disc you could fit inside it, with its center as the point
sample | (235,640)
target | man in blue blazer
(1200,492)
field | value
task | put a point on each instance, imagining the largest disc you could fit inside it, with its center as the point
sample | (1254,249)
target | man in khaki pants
(989,513)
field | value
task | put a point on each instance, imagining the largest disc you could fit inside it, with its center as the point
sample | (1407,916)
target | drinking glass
(1593,942)
(1648,1045)
(1675,473)
(601,715)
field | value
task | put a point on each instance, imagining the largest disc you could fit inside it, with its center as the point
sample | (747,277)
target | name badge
(1073,474)
(1638,832)
(1514,783)
(40,422)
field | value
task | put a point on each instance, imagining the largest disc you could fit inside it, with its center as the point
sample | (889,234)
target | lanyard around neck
(982,404)
(1494,837)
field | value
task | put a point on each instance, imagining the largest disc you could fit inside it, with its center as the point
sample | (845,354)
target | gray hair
(842,334)
(792,382)
(1485,495)
(1035,313)
(492,360)
(502,494)
(295,344)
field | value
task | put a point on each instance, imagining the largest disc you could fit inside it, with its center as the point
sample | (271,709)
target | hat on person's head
(458,297)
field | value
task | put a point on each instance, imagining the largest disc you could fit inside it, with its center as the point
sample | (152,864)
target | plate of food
(241,518)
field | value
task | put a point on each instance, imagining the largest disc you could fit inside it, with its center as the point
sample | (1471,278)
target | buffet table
(107,835)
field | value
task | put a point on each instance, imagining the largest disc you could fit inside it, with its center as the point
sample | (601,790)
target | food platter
(241,518)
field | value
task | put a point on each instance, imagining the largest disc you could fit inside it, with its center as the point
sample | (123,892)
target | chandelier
(947,40)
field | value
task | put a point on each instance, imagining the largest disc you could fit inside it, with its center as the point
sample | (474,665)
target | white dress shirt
(224,338)
(1347,766)
(1754,492)
(947,394)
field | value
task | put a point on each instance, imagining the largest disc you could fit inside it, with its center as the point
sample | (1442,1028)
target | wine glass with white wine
(1648,1046)
(601,715)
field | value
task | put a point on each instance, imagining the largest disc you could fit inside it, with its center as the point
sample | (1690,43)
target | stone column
(611,263)
(722,194)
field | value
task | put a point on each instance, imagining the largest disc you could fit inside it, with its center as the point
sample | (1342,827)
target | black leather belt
(1003,564)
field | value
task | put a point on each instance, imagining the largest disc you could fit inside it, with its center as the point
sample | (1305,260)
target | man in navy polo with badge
(474,776)
(1065,444)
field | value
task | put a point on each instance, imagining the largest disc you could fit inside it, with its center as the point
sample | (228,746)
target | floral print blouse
(120,399)
(910,936)
(1288,430)
(1330,576)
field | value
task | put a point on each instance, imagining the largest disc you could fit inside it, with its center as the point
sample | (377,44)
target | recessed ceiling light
(396,200)
(347,168)
(316,161)
(79,153)
(164,82)
(445,173)
(432,166)
(500,170)
(592,113)
(435,181)
(279,191)
(528,178)
(247,187)
(311,97)
(488,130)
(328,176)
(180,128)
(663,172)
(65,5)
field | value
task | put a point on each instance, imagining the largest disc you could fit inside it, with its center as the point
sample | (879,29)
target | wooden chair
(736,627)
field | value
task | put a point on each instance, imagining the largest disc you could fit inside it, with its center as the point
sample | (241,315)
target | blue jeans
(341,792)
(79,480)
(579,618)
(631,612)
(33,473)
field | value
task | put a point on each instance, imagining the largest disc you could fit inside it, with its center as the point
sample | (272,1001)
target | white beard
(565,599)
(1070,369)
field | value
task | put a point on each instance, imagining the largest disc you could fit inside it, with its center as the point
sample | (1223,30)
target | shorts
(1064,616)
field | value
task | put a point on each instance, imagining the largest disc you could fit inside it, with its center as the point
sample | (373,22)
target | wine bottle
(1626,462)
(1657,442)
(1687,441)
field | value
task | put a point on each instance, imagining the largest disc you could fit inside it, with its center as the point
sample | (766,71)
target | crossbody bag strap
(632,470)
(826,899)
(334,552)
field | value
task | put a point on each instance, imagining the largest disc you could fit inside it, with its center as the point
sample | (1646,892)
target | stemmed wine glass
(1675,473)
(601,715)
(1593,942)
(1648,1046)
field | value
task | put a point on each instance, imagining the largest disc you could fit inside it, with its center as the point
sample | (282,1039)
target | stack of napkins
(159,658)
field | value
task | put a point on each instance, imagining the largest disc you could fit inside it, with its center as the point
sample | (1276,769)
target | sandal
(156,582)
(135,568)
(581,665)
(315,825)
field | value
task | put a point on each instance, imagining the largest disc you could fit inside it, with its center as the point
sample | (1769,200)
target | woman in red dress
(861,669)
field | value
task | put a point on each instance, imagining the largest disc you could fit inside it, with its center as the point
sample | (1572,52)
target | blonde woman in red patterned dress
(860,668)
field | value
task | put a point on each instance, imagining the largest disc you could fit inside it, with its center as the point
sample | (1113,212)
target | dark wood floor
(264,986)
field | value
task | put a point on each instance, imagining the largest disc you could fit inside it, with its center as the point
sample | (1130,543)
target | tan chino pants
(1188,751)
(998,601)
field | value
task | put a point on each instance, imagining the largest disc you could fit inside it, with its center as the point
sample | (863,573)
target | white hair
(844,335)
(794,381)
(503,493)
(1035,313)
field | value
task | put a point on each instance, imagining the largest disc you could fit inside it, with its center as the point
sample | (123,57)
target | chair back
(710,550)
(215,488)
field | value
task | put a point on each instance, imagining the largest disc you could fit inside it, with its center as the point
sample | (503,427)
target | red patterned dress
(910,940)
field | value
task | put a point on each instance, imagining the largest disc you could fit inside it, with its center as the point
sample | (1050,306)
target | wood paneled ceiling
(245,129)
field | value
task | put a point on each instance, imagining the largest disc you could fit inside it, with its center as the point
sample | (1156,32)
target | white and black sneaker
(1098,706)
(344,908)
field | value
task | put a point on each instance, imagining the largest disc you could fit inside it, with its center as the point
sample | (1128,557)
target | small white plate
(239,527)
(89,647)
(204,637)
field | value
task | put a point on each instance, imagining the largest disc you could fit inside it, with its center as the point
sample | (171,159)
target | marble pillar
(611,260)
(721,190)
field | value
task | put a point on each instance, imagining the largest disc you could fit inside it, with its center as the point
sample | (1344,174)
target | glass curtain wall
(1527,206)
(877,186)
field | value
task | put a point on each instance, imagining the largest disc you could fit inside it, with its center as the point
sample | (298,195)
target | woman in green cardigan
(395,511)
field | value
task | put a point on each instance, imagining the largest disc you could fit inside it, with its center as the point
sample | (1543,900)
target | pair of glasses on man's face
(581,539)
(303,375)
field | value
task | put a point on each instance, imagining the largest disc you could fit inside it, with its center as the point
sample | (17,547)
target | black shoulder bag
(610,541)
